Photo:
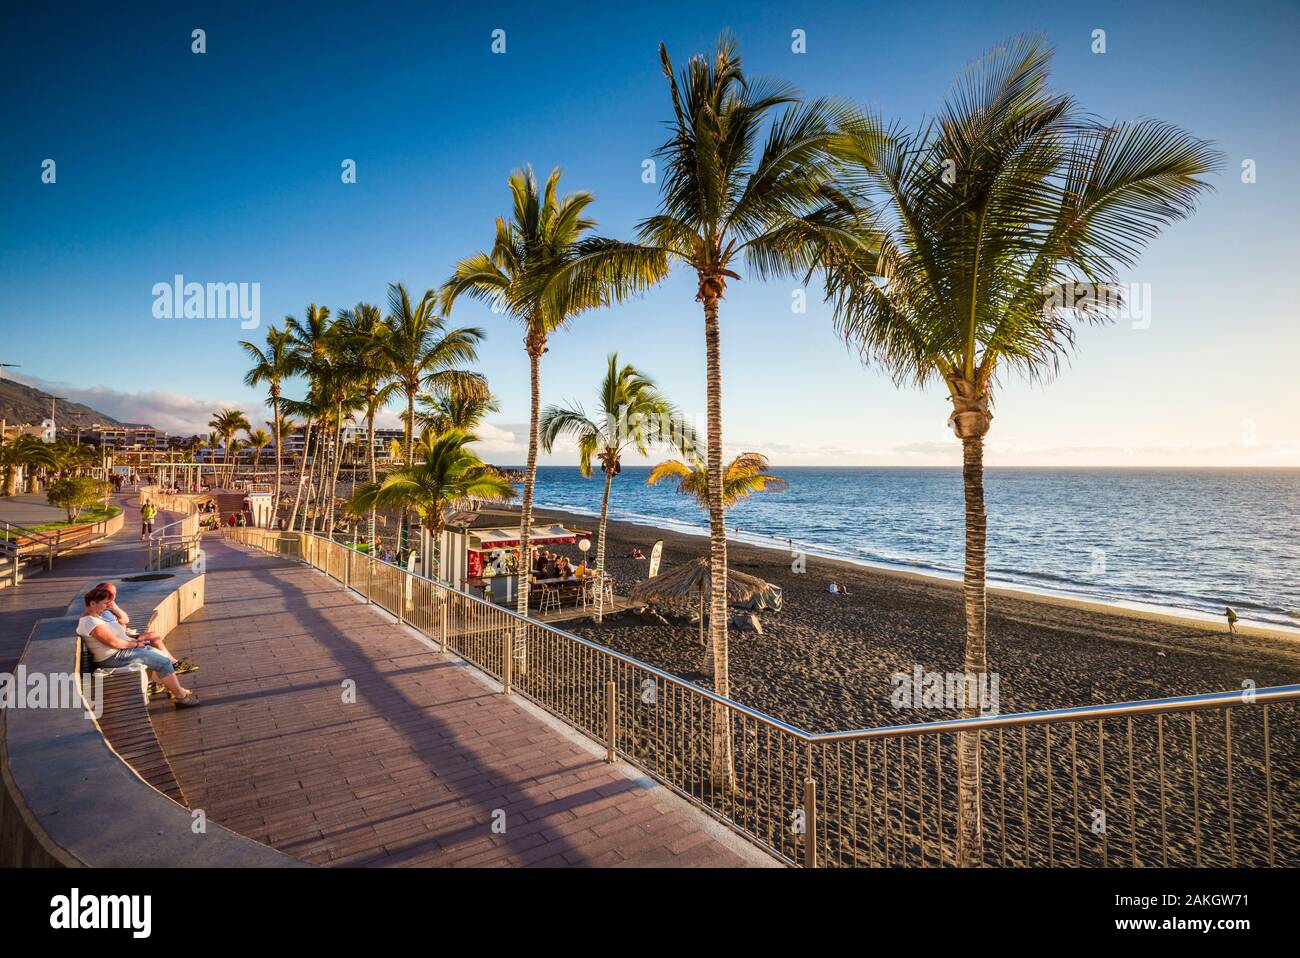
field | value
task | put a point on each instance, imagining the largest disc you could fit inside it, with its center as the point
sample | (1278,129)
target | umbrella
(688,586)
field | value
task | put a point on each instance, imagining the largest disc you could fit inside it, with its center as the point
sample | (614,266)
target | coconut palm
(543,270)
(996,230)
(227,422)
(365,330)
(743,476)
(272,366)
(728,195)
(258,440)
(446,475)
(632,414)
(310,346)
(422,353)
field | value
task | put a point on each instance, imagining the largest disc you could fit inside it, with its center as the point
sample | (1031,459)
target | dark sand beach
(824,663)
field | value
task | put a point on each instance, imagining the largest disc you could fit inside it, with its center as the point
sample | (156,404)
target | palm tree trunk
(723,774)
(600,544)
(969,825)
(338,466)
(279,461)
(302,474)
(535,350)
(402,534)
(374,471)
(604,521)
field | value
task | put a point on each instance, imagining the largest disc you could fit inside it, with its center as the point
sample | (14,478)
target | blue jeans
(153,660)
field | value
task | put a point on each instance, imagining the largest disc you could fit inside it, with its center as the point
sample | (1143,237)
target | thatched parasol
(688,587)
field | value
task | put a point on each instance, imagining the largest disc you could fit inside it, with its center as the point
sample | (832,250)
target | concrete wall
(68,799)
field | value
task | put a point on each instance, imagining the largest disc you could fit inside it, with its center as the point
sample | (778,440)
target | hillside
(23,404)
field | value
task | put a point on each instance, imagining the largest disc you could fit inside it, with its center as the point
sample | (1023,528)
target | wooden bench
(127,727)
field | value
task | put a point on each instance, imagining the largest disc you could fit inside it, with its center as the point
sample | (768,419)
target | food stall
(479,551)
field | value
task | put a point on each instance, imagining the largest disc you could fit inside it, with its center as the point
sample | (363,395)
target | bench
(126,724)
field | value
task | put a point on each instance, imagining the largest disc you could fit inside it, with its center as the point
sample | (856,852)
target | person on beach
(112,648)
(1232,619)
(147,513)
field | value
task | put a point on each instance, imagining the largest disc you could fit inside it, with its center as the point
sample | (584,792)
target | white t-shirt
(98,650)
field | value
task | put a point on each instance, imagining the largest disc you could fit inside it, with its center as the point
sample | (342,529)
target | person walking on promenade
(147,513)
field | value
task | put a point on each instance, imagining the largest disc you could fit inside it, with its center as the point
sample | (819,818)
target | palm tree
(228,422)
(995,230)
(633,414)
(365,330)
(258,439)
(447,474)
(24,450)
(726,195)
(744,476)
(310,345)
(544,269)
(272,366)
(441,411)
(421,352)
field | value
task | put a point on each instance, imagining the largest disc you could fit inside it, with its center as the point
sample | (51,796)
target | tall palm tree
(743,476)
(632,414)
(995,231)
(365,330)
(310,348)
(227,422)
(272,366)
(447,474)
(726,195)
(543,270)
(258,440)
(422,353)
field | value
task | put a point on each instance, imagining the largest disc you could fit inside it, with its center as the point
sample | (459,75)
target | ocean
(1182,540)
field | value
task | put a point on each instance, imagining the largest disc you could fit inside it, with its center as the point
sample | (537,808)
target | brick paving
(417,769)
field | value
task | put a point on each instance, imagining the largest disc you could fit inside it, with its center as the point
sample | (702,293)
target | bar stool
(550,600)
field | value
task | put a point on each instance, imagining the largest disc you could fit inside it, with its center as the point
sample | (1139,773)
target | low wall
(68,799)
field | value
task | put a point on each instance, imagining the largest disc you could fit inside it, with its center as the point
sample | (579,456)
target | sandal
(189,701)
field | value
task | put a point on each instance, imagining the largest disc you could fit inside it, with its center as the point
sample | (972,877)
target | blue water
(1185,540)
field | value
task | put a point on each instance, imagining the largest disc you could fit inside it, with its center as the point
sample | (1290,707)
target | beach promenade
(340,737)
(48,592)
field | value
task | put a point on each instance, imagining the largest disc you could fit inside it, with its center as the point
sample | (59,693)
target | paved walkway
(418,769)
(47,593)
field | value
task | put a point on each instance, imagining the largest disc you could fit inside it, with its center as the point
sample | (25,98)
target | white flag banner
(655,555)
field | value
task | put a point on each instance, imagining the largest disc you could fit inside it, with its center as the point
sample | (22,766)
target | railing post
(611,722)
(370,577)
(507,658)
(810,817)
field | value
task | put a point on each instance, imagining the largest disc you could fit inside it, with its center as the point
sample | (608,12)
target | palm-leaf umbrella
(688,587)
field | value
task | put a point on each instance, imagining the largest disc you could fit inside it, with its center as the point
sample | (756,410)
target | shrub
(74,494)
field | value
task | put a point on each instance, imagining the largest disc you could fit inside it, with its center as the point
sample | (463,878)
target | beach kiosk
(479,551)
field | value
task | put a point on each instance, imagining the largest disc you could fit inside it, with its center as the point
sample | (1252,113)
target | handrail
(877,795)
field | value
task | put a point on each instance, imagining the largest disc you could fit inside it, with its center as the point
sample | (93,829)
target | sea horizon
(1055,549)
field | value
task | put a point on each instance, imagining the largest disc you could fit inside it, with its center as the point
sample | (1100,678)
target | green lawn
(96,514)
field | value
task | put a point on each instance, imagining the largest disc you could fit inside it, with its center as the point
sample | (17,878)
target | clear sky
(225,167)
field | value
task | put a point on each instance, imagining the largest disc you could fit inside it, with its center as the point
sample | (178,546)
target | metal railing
(178,542)
(19,544)
(1198,780)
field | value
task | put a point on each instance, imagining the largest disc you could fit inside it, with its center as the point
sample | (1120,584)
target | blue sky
(225,167)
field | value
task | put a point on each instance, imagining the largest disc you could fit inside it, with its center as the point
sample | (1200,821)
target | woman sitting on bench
(112,648)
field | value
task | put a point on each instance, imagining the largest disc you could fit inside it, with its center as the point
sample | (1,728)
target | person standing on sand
(1232,619)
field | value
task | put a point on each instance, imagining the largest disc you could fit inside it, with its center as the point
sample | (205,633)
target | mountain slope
(23,404)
